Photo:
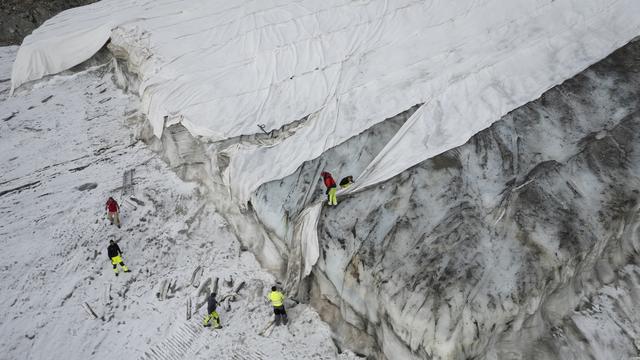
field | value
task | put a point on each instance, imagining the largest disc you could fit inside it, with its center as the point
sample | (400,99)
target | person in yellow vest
(277,301)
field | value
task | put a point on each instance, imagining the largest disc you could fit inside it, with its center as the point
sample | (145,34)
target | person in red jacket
(331,187)
(113,211)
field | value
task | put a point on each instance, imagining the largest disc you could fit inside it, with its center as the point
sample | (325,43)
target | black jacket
(113,250)
(212,304)
(346,180)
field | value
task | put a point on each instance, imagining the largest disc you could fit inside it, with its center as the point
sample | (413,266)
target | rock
(18,18)
(87,186)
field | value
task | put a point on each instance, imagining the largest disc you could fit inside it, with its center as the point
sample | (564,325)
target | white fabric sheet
(468,106)
(223,67)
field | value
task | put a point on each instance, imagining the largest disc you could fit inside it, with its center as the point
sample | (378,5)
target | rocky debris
(87,186)
(18,18)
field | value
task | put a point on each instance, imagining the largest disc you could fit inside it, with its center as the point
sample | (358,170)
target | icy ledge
(223,67)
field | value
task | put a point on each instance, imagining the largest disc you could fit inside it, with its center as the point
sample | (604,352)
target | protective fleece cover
(223,67)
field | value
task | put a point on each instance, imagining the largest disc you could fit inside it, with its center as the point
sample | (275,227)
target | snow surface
(223,67)
(64,146)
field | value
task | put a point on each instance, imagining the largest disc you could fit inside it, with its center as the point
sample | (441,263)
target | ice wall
(522,243)
(221,68)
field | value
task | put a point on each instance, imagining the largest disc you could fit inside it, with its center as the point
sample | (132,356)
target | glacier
(252,98)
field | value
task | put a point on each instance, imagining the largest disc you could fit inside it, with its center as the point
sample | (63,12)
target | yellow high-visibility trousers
(333,200)
(117,260)
(213,316)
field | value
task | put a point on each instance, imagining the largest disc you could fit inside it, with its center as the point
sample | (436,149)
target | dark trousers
(281,315)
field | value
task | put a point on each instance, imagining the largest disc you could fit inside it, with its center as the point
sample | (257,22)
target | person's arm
(118,248)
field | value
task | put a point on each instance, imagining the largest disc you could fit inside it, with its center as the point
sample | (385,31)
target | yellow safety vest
(276,298)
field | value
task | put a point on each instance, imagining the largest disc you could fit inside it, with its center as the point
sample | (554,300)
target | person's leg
(124,267)
(283,314)
(114,262)
(276,311)
(216,319)
(333,200)
(110,217)
(206,320)
(117,216)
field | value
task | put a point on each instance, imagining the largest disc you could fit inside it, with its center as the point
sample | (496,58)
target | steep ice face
(521,243)
(221,68)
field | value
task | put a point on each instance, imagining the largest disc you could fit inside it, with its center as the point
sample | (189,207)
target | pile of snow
(64,148)
(223,67)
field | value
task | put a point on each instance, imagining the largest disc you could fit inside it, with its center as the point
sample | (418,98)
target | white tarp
(304,248)
(223,67)
(464,108)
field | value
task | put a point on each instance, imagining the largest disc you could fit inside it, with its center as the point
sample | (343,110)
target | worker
(113,211)
(115,254)
(277,301)
(346,182)
(212,314)
(331,188)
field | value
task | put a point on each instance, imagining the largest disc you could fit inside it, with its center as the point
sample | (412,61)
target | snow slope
(64,146)
(223,67)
